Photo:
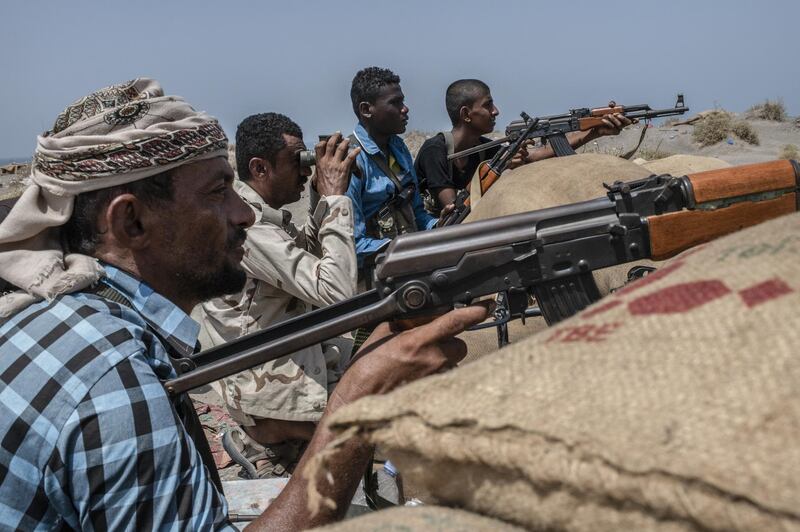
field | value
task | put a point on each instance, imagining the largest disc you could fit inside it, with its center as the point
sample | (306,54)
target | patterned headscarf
(114,136)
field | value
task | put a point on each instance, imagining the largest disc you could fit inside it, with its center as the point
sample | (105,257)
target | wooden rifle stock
(726,200)
(487,178)
(603,111)
(585,124)
(725,183)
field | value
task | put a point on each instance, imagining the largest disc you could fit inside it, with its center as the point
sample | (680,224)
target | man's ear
(127,222)
(260,168)
(463,114)
(365,109)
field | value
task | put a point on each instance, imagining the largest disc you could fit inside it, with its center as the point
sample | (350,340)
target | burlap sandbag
(554,181)
(672,404)
(483,342)
(680,164)
(421,519)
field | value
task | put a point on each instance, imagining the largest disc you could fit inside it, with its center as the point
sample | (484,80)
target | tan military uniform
(289,270)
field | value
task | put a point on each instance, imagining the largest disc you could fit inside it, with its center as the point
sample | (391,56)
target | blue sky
(298,57)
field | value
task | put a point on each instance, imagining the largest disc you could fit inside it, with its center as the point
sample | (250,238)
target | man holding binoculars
(290,269)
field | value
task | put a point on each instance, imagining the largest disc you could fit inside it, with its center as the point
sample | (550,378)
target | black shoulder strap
(183,403)
(451,147)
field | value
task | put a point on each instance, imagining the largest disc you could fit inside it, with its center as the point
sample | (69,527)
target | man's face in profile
(389,112)
(203,231)
(290,177)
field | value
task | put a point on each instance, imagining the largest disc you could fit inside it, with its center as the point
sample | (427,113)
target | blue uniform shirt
(375,188)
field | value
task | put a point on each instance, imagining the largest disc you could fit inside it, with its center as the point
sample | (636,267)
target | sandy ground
(773,137)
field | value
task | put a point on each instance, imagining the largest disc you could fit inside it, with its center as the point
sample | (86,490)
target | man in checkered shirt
(130,221)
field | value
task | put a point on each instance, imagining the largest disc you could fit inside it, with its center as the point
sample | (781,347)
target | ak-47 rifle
(549,253)
(552,129)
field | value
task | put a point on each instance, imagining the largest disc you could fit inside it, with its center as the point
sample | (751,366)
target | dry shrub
(790,152)
(595,147)
(651,154)
(713,128)
(717,126)
(768,110)
(745,131)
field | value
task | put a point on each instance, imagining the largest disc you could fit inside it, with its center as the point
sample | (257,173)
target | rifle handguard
(724,201)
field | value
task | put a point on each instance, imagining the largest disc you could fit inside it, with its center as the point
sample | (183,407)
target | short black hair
(81,233)
(461,93)
(261,135)
(368,82)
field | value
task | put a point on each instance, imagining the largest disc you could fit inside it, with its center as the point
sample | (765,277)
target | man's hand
(521,157)
(391,357)
(388,359)
(613,124)
(446,210)
(334,165)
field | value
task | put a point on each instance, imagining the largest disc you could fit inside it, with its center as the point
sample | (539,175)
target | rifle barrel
(284,338)
(479,148)
(655,113)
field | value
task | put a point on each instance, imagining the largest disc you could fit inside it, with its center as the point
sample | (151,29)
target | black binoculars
(308,158)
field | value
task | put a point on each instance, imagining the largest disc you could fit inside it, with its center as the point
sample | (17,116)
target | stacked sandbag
(554,181)
(421,519)
(484,341)
(673,404)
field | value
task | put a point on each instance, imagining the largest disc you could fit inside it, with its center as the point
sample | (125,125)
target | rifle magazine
(562,298)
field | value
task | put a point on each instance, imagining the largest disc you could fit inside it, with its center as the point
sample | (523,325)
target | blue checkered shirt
(90,439)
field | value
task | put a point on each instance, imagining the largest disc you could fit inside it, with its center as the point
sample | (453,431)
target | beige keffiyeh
(111,137)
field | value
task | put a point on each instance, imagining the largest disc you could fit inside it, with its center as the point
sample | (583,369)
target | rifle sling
(450,144)
(381,163)
(630,153)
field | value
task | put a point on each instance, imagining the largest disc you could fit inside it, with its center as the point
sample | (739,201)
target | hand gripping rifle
(549,253)
(552,129)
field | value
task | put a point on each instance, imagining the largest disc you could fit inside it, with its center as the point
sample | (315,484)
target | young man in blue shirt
(386,198)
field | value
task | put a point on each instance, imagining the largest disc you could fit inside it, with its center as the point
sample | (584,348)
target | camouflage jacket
(289,268)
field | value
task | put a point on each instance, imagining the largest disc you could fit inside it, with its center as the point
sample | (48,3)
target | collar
(279,217)
(169,322)
(395,142)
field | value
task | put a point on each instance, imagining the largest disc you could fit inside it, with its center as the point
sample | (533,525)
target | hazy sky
(298,57)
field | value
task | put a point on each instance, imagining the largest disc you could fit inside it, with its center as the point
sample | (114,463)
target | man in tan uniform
(289,270)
